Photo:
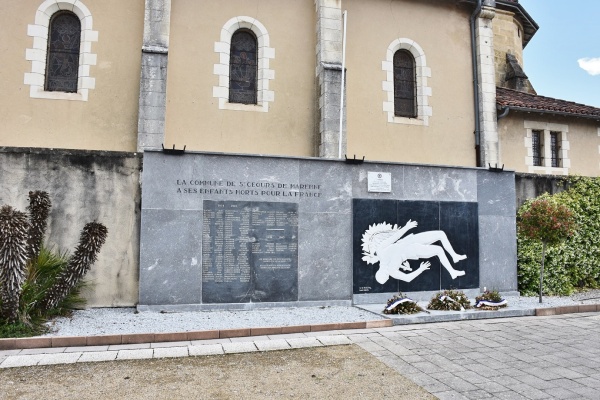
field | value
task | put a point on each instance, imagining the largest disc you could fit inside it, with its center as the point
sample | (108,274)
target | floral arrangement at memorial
(449,300)
(490,300)
(400,304)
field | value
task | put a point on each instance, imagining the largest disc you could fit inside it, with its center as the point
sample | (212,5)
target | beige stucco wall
(442,30)
(108,120)
(193,117)
(583,137)
(508,38)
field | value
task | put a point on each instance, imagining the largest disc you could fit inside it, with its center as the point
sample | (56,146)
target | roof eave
(552,112)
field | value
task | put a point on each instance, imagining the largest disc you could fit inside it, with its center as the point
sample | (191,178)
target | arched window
(62,65)
(243,67)
(404,85)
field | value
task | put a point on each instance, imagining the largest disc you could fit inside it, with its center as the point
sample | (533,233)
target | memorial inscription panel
(249,252)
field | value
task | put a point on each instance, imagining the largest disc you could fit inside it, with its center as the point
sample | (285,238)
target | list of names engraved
(249,250)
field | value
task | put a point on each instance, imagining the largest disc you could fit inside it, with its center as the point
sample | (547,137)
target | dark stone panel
(250,252)
(427,215)
(440,226)
(365,213)
(460,223)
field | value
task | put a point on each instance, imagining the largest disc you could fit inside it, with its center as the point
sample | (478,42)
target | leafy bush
(40,277)
(574,263)
(36,284)
(449,300)
(547,221)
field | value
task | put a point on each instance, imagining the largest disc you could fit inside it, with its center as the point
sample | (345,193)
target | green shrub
(574,263)
(40,277)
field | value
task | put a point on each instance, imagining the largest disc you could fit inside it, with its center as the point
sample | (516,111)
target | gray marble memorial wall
(315,251)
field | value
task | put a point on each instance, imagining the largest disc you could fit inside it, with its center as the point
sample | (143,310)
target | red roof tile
(514,99)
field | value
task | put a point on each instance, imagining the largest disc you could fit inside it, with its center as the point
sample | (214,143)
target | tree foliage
(575,262)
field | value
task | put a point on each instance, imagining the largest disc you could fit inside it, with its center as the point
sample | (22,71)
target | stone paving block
(288,336)
(276,344)
(535,382)
(509,395)
(295,329)
(85,349)
(265,331)
(491,387)
(477,394)
(297,343)
(210,341)
(206,350)
(45,350)
(103,340)
(587,393)
(203,335)
(231,333)
(248,339)
(428,367)
(34,342)
(561,393)
(60,358)
(95,356)
(322,333)
(21,361)
(170,352)
(449,395)
(6,353)
(170,344)
(8,344)
(68,341)
(136,338)
(530,392)
(334,340)
(129,346)
(137,354)
(239,347)
(171,337)
(544,312)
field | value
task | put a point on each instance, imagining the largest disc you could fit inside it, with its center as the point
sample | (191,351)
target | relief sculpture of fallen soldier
(389,246)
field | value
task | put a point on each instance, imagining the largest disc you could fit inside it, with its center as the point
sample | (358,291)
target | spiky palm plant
(91,240)
(14,227)
(39,210)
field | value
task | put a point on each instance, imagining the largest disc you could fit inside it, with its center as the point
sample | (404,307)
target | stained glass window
(62,65)
(243,68)
(404,85)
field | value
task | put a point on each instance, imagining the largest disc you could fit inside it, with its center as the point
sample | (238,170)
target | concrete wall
(441,29)
(84,186)
(108,119)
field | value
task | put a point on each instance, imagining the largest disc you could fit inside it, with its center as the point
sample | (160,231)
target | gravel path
(110,321)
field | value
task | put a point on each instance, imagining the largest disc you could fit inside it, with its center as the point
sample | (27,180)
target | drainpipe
(476,83)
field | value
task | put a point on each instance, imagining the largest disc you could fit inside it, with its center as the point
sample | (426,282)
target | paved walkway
(509,358)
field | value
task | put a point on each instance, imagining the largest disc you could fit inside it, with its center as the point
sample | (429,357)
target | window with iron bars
(555,148)
(536,146)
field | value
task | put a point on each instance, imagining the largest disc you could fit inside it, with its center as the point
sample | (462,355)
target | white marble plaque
(380,182)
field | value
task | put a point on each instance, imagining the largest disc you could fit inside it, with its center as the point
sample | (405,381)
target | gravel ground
(111,321)
(108,321)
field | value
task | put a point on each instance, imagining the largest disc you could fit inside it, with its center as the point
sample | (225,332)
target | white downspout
(345,16)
